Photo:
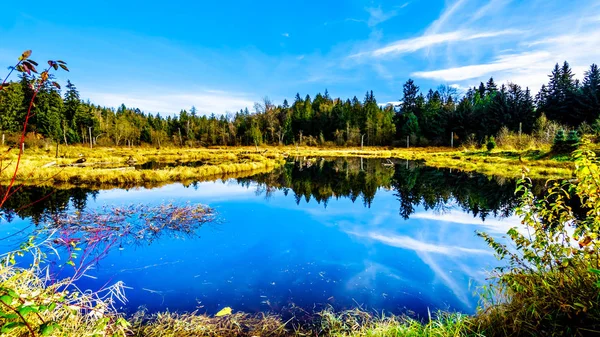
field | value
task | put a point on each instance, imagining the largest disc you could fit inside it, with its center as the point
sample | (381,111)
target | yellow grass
(111,166)
(104,164)
(54,305)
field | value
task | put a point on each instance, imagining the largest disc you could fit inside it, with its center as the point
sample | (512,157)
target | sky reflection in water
(270,251)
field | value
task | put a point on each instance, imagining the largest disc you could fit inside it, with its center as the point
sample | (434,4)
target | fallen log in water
(94,165)
(116,168)
(50,164)
(76,165)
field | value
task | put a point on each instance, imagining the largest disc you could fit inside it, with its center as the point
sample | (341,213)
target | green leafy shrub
(565,144)
(550,285)
(596,127)
(560,138)
(491,143)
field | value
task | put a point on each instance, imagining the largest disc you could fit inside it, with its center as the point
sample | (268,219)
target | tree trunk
(65,132)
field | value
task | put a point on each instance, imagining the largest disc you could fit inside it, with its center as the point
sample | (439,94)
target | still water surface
(317,232)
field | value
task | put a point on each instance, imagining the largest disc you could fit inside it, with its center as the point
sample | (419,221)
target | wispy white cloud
(513,62)
(472,40)
(487,8)
(491,225)
(378,15)
(425,41)
(285,34)
(525,57)
(529,67)
(207,192)
(446,15)
(153,101)
(407,242)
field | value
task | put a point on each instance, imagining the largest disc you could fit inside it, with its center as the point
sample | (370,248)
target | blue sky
(222,56)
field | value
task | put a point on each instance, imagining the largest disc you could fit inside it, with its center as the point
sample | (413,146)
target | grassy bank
(502,163)
(110,166)
(324,323)
(508,164)
(124,166)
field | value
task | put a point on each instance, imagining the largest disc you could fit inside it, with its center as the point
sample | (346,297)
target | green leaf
(28,309)
(10,326)
(101,324)
(9,316)
(47,328)
(7,299)
(122,322)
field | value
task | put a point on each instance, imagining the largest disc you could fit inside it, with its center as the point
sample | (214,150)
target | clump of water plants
(33,300)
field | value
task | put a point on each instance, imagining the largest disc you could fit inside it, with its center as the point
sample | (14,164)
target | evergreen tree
(71,101)
(588,101)
(407,118)
(46,113)
(560,99)
(490,86)
(11,107)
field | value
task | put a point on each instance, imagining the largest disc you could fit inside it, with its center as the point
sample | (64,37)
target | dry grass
(507,164)
(325,323)
(193,324)
(358,323)
(227,161)
(100,166)
(70,313)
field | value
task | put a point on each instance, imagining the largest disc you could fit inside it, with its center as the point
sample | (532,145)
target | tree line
(320,180)
(426,118)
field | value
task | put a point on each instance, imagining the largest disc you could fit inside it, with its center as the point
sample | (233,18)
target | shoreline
(117,167)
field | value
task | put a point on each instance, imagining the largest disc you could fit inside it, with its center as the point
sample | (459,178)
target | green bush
(565,144)
(559,139)
(491,143)
(596,127)
(550,286)
(573,139)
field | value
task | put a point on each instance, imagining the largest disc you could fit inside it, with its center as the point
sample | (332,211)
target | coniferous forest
(427,118)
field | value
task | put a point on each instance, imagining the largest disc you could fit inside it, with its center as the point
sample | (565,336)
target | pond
(370,233)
